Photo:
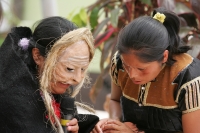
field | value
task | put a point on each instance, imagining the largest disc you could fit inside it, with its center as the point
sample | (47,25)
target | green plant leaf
(83,15)
(94,17)
(78,21)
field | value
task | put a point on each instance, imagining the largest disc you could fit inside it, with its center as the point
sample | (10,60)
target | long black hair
(148,38)
(46,32)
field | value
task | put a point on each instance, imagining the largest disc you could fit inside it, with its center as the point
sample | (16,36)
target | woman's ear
(37,57)
(165,56)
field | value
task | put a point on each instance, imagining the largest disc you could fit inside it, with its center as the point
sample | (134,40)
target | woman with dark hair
(155,83)
(38,71)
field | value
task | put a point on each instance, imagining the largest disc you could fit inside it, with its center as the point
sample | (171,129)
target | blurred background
(105,18)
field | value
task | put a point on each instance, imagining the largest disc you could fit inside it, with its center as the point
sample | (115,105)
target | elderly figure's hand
(72,126)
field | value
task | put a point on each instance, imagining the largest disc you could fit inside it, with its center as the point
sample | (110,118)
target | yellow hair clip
(160,17)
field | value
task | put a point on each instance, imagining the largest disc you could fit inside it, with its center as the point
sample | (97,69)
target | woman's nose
(78,76)
(133,73)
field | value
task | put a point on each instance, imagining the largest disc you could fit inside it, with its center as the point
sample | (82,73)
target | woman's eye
(83,69)
(141,69)
(70,69)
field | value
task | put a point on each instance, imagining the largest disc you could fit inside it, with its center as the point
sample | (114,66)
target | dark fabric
(151,119)
(185,76)
(21,107)
(86,122)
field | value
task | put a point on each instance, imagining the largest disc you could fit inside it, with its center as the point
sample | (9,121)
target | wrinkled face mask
(71,67)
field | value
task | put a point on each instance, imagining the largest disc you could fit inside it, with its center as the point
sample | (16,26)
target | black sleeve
(86,122)
(188,92)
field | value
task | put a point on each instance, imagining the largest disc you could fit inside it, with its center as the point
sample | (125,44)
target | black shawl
(21,107)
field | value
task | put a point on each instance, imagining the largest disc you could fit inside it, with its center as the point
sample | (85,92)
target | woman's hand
(132,126)
(72,126)
(99,125)
(115,126)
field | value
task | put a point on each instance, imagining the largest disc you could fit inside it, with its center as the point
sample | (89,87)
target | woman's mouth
(137,82)
(63,84)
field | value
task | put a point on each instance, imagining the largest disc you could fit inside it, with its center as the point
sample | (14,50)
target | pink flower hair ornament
(24,43)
